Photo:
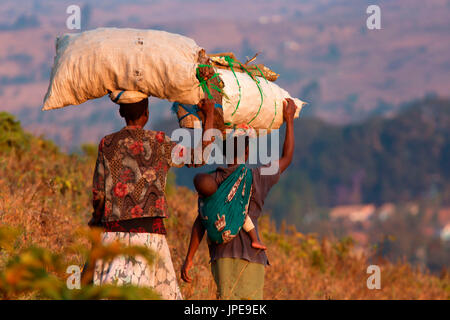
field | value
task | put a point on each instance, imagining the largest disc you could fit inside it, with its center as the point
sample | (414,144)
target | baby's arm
(248,224)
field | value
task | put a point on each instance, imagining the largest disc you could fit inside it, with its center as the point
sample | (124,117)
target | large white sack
(91,64)
(270,115)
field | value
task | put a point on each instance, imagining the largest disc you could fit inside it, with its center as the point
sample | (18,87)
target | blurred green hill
(402,158)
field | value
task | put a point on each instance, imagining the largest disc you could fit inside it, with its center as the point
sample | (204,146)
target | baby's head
(205,185)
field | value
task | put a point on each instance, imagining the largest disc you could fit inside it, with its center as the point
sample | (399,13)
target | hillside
(397,159)
(46,193)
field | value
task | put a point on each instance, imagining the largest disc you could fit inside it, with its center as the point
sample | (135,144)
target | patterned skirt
(136,271)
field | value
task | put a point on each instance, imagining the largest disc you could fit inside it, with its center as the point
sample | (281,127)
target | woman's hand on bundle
(289,109)
(206,73)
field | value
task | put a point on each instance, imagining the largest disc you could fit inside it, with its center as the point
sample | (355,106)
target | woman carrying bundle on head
(128,195)
(237,260)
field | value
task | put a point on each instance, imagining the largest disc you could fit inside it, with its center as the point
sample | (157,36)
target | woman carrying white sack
(128,195)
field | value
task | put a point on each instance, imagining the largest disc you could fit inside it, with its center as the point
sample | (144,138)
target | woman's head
(135,113)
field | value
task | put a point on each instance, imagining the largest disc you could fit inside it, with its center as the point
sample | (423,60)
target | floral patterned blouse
(130,174)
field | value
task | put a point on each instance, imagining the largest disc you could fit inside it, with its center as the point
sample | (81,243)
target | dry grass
(47,195)
(302,266)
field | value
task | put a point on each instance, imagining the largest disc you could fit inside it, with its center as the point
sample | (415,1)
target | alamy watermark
(373,22)
(374,280)
(74,279)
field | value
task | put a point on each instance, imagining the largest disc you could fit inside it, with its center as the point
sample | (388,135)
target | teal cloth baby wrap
(224,212)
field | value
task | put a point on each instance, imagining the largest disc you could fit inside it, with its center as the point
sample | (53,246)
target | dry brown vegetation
(303,266)
(46,195)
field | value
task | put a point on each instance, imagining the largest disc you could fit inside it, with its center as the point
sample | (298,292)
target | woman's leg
(165,279)
(135,270)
